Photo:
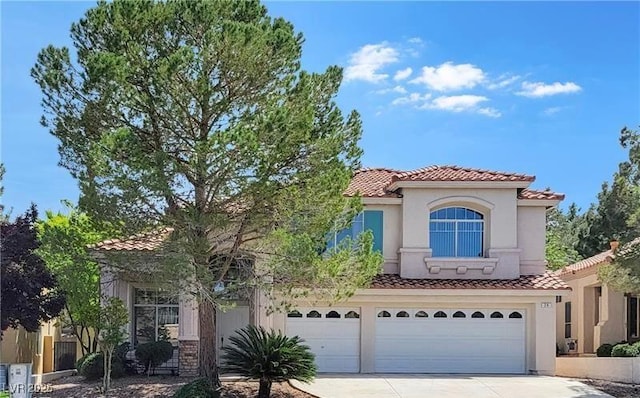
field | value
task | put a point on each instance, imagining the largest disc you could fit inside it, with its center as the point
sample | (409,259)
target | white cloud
(552,111)
(503,81)
(366,63)
(415,40)
(491,112)
(539,89)
(449,76)
(412,98)
(396,89)
(402,74)
(457,103)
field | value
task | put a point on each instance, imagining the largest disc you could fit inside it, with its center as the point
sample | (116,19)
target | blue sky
(541,88)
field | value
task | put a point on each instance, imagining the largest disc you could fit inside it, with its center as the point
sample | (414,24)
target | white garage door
(333,334)
(450,341)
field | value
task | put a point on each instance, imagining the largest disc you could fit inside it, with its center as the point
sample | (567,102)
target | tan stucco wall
(540,318)
(611,327)
(531,239)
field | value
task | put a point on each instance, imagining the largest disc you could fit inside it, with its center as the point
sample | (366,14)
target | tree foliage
(30,293)
(616,214)
(63,246)
(562,236)
(197,116)
(113,319)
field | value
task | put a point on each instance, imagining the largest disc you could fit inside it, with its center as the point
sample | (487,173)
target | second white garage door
(333,334)
(450,341)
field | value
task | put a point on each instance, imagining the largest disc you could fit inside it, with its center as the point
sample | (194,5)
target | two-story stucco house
(463,290)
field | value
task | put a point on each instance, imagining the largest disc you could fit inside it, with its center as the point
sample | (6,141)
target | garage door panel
(450,345)
(334,341)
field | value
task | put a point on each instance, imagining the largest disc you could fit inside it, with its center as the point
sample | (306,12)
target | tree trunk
(208,342)
(265,388)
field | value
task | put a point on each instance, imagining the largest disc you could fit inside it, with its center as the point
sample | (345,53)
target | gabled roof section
(605,257)
(372,183)
(376,182)
(147,241)
(532,194)
(457,173)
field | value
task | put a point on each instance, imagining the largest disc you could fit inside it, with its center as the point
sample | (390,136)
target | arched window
(314,314)
(477,314)
(516,315)
(456,232)
(294,314)
(459,314)
(497,314)
(384,314)
(421,314)
(332,314)
(402,314)
(352,315)
(440,314)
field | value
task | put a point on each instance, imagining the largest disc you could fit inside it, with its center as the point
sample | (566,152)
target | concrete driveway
(447,386)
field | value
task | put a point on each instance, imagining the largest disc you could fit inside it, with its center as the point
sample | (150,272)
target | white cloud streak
(449,76)
(366,63)
(402,74)
(539,89)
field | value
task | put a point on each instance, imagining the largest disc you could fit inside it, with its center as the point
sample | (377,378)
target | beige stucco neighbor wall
(539,307)
(585,309)
(625,370)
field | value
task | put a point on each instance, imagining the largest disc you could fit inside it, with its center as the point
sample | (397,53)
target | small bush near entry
(92,366)
(199,388)
(625,350)
(604,350)
(154,354)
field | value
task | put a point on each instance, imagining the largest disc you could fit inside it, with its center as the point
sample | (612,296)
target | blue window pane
(442,238)
(469,238)
(451,213)
(357,225)
(461,213)
(373,221)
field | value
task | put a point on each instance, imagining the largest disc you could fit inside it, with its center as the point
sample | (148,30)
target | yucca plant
(268,356)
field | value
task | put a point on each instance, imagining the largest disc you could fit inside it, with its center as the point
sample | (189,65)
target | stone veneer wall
(188,358)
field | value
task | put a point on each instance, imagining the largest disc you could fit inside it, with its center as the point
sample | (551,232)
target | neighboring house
(594,314)
(49,349)
(463,289)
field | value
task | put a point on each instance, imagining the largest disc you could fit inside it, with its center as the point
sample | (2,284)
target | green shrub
(199,388)
(625,350)
(268,357)
(604,350)
(154,354)
(92,366)
(80,361)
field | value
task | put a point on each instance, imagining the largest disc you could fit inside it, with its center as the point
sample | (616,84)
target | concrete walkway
(447,386)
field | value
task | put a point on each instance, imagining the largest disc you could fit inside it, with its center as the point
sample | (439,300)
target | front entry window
(155,316)
(456,232)
(632,318)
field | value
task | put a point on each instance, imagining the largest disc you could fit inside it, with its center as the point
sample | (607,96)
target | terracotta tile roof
(545,195)
(602,258)
(374,182)
(142,242)
(457,173)
(546,281)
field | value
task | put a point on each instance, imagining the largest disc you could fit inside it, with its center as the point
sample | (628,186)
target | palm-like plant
(268,356)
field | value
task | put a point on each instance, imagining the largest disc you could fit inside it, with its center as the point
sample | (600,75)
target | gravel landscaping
(156,386)
(618,390)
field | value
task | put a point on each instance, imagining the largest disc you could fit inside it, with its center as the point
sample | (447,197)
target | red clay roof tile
(546,281)
(147,241)
(457,173)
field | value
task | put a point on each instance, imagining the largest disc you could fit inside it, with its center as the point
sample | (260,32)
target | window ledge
(461,264)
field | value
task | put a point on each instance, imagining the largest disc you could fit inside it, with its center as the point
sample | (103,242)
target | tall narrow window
(456,232)
(567,319)
(155,316)
(632,323)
